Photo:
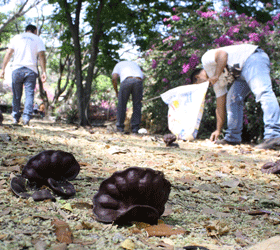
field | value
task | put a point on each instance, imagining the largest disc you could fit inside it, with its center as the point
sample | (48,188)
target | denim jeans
(255,77)
(135,87)
(26,77)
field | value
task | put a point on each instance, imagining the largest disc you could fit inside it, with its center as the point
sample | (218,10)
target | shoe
(15,121)
(25,123)
(225,142)
(272,143)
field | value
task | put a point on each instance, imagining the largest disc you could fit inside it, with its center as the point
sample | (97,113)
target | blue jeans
(26,77)
(135,87)
(255,77)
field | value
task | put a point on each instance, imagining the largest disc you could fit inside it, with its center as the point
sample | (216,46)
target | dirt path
(217,191)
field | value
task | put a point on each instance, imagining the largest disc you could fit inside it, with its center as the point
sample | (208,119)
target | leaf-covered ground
(219,196)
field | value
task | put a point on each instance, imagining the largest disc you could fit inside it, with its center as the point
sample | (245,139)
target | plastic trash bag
(185,109)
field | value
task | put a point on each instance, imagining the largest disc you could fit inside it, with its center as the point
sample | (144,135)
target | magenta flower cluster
(185,68)
(254,37)
(254,24)
(154,63)
(193,62)
(178,46)
(208,14)
(223,41)
(176,18)
(233,29)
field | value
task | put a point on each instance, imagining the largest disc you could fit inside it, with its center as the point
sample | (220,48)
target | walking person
(131,82)
(28,49)
(250,67)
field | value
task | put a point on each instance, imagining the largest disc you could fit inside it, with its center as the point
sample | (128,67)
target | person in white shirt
(248,67)
(131,79)
(28,49)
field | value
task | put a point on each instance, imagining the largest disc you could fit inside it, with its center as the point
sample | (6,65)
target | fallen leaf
(3,236)
(209,187)
(164,230)
(115,150)
(43,217)
(10,169)
(270,244)
(168,241)
(128,244)
(5,212)
(87,225)
(230,183)
(67,207)
(61,246)
(82,205)
(27,220)
(40,245)
(217,228)
(13,162)
(62,231)
(168,210)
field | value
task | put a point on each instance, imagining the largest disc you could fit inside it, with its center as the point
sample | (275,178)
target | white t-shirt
(127,68)
(237,56)
(26,47)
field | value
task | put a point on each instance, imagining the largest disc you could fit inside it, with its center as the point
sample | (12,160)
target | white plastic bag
(185,109)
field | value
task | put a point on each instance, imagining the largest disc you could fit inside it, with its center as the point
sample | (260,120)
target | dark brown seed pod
(169,139)
(42,195)
(18,186)
(135,194)
(271,167)
(1,117)
(21,187)
(58,165)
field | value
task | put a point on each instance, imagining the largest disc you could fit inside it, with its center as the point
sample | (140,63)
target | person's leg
(123,96)
(17,85)
(137,95)
(235,102)
(257,74)
(29,85)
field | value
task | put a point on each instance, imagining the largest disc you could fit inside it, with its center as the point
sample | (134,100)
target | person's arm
(221,58)
(7,58)
(115,78)
(42,61)
(220,117)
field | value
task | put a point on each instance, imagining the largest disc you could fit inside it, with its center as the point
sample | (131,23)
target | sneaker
(15,121)
(273,143)
(25,123)
(225,142)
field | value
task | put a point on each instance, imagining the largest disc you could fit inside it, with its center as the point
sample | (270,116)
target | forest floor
(219,197)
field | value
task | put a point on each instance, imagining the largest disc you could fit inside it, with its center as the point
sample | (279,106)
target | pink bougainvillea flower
(176,18)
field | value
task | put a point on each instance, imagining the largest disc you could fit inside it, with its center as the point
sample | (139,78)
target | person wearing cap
(27,48)
(247,67)
(131,82)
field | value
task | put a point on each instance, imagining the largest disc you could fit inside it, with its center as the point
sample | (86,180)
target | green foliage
(103,90)
(258,9)
(187,36)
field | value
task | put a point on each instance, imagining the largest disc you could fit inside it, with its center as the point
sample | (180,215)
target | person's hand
(215,135)
(43,77)
(212,80)
(2,74)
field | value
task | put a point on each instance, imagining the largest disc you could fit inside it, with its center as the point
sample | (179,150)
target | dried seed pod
(135,194)
(51,168)
(58,165)
(1,117)
(21,187)
(42,195)
(271,167)
(18,186)
(169,139)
